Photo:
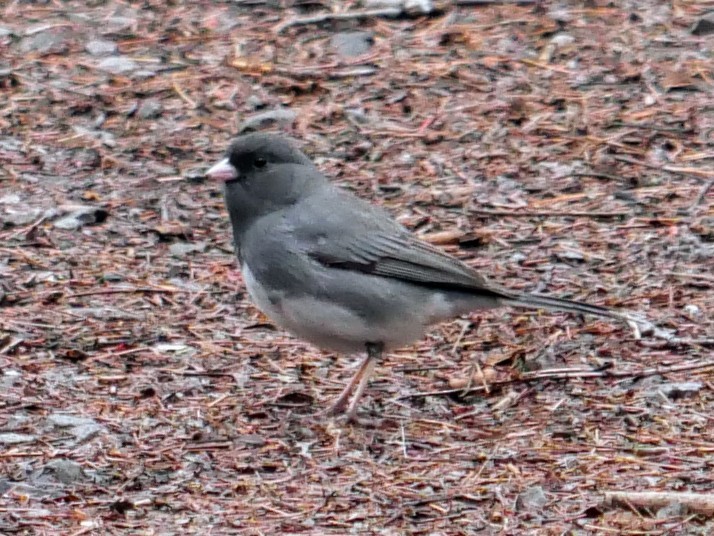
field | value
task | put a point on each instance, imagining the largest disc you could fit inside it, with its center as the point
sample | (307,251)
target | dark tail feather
(558,304)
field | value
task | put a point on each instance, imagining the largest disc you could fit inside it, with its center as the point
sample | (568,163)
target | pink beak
(222,171)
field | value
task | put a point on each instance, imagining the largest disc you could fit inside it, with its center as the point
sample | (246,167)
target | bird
(339,271)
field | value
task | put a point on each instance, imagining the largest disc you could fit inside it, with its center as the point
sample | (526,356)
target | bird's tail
(559,304)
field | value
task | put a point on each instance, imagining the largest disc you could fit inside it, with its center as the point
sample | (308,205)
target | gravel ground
(564,148)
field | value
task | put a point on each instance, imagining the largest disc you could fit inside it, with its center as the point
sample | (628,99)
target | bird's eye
(260,162)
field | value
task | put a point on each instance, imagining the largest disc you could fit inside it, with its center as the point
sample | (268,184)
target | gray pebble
(64,420)
(533,498)
(182,249)
(117,65)
(64,471)
(279,116)
(100,47)
(350,44)
(150,109)
(10,438)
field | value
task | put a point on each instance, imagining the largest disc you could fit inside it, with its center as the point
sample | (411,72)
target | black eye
(260,162)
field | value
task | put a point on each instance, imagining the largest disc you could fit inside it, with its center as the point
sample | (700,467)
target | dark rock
(705,24)
(80,217)
(195,175)
(254,102)
(674,391)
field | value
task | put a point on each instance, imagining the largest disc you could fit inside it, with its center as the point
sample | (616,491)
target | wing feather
(362,238)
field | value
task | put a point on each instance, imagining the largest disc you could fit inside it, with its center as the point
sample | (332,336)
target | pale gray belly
(391,312)
(332,326)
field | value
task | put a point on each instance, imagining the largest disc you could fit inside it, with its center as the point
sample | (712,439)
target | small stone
(10,438)
(85,431)
(45,42)
(4,32)
(9,199)
(91,157)
(570,255)
(692,310)
(64,471)
(357,115)
(533,498)
(562,39)
(348,44)
(672,510)
(561,14)
(37,512)
(407,159)
(81,217)
(403,7)
(182,249)
(121,23)
(15,216)
(150,109)
(63,420)
(518,257)
(100,47)
(280,116)
(144,74)
(159,169)
(674,391)
(172,347)
(705,24)
(254,102)
(195,175)
(11,144)
(251,440)
(117,65)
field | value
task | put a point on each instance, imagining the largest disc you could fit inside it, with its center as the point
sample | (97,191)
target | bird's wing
(362,238)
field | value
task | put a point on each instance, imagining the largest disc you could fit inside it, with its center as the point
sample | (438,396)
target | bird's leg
(358,383)
(374,353)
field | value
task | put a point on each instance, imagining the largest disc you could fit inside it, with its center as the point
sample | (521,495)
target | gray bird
(339,272)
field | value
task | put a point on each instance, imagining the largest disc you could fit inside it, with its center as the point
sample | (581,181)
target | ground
(564,148)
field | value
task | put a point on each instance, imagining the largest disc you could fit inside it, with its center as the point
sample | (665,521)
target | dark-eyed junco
(340,272)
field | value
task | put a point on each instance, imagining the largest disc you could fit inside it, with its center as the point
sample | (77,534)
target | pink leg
(357,384)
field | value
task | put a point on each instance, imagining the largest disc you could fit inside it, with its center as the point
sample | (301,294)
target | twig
(493,2)
(25,230)
(349,15)
(328,73)
(564,374)
(181,93)
(677,341)
(703,277)
(164,290)
(699,503)
(671,169)
(544,213)
(595,174)
(650,127)
(702,194)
